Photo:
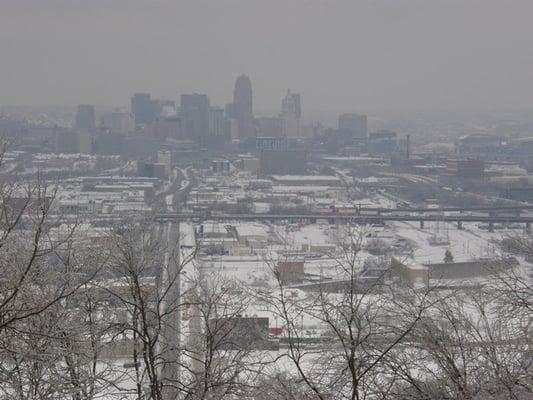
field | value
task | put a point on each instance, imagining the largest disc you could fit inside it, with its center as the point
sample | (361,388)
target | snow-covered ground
(465,244)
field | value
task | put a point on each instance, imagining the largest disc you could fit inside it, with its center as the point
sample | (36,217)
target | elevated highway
(482,209)
(376,218)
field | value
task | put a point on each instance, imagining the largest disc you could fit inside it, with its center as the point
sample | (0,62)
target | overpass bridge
(425,210)
(356,218)
(364,215)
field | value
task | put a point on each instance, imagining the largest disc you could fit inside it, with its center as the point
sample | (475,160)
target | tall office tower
(354,124)
(142,107)
(291,112)
(194,109)
(85,117)
(118,122)
(216,121)
(243,107)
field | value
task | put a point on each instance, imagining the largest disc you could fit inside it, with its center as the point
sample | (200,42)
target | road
(169,293)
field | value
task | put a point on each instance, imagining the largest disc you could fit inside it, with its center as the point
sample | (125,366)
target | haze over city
(341,54)
(258,200)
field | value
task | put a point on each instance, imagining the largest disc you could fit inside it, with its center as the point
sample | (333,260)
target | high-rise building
(231,129)
(143,108)
(291,113)
(281,156)
(216,121)
(118,122)
(228,109)
(85,117)
(194,109)
(354,124)
(168,127)
(243,107)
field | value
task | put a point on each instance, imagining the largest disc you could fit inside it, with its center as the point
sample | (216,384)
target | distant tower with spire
(243,107)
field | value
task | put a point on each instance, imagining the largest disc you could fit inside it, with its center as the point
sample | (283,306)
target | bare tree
(362,323)
(180,322)
(226,348)
(466,348)
(40,271)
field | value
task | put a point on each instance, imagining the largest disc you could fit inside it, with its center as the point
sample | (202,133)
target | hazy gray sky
(338,54)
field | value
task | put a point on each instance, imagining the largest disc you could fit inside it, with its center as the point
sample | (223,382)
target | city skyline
(354,56)
(266,199)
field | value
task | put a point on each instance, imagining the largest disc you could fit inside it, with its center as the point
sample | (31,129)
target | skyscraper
(354,124)
(194,109)
(243,107)
(216,121)
(85,117)
(118,122)
(291,112)
(142,107)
